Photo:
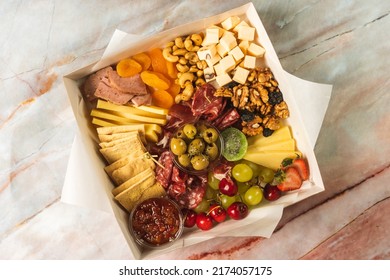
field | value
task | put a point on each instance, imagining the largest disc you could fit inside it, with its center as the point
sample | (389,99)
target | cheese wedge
(271,159)
(282,133)
(283,145)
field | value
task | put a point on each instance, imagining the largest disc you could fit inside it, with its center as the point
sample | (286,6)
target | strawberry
(289,179)
(301,165)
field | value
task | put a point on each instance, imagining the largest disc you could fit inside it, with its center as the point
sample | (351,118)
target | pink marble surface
(344,43)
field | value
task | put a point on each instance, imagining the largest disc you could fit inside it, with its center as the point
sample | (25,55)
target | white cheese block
(218,70)
(213,60)
(244,45)
(227,63)
(207,52)
(242,23)
(209,74)
(256,50)
(228,41)
(221,50)
(212,37)
(237,53)
(246,33)
(230,22)
(220,30)
(249,62)
(223,79)
(240,75)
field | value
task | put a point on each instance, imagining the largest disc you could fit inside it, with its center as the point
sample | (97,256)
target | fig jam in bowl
(196,147)
(156,223)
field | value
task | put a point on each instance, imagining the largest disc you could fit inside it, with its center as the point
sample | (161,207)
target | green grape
(211,194)
(242,187)
(203,206)
(227,200)
(253,196)
(242,172)
(255,167)
(266,175)
(212,181)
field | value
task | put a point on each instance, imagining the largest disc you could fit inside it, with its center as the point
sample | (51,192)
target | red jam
(156,221)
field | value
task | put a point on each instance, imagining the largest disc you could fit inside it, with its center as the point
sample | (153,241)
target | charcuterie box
(98,186)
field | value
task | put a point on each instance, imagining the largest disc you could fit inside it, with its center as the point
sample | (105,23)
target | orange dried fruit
(128,67)
(155,80)
(162,98)
(174,89)
(143,59)
(158,61)
(172,70)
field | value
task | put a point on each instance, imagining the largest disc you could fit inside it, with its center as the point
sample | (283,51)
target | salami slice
(191,197)
(163,175)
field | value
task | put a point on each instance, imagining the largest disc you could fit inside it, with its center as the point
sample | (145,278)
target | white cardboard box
(262,220)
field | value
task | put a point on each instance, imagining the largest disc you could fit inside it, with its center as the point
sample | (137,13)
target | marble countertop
(344,43)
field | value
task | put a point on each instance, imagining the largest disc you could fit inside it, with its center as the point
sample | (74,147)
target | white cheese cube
(223,79)
(207,52)
(242,23)
(209,74)
(256,50)
(220,30)
(228,41)
(249,62)
(237,53)
(240,75)
(213,60)
(217,69)
(211,37)
(246,33)
(244,45)
(227,63)
(230,22)
(221,50)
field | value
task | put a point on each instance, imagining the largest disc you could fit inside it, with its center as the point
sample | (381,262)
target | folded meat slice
(139,100)
(111,94)
(133,85)
(92,82)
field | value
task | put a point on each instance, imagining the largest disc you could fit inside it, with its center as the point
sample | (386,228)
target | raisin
(275,97)
(231,85)
(247,116)
(267,132)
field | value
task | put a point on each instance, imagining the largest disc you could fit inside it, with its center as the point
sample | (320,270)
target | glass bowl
(193,157)
(156,223)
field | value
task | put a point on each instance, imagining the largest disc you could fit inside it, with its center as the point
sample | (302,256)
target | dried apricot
(155,80)
(128,67)
(162,98)
(158,61)
(143,59)
(172,70)
(174,89)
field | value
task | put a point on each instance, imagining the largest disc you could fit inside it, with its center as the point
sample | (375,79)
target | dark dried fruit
(275,97)
(267,132)
(231,85)
(247,116)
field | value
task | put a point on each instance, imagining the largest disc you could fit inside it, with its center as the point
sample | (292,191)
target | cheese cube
(240,75)
(223,79)
(228,41)
(213,60)
(249,62)
(246,33)
(207,52)
(230,22)
(227,63)
(242,23)
(244,45)
(237,53)
(221,50)
(218,70)
(256,50)
(212,37)
(209,74)
(220,30)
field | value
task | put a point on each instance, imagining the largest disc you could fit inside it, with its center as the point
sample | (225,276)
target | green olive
(184,160)
(180,134)
(189,130)
(210,135)
(178,146)
(201,128)
(196,147)
(212,151)
(200,162)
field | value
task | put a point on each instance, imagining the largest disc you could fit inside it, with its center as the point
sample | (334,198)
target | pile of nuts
(183,52)
(261,98)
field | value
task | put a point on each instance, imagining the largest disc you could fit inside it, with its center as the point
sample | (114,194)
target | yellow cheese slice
(154,109)
(111,117)
(283,145)
(271,159)
(282,133)
(102,123)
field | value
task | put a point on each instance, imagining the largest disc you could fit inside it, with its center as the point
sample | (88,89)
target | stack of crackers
(130,166)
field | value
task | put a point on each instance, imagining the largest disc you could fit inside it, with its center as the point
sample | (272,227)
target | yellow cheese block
(107,115)
(283,145)
(154,110)
(271,159)
(282,133)
(100,122)
(152,132)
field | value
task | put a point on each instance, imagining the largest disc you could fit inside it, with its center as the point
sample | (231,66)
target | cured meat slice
(111,94)
(92,82)
(207,105)
(133,85)
(229,118)
(139,100)
(192,196)
(164,174)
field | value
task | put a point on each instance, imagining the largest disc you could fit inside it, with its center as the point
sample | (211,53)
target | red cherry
(203,221)
(218,213)
(271,192)
(189,217)
(238,210)
(228,187)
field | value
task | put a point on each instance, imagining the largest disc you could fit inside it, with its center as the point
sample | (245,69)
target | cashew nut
(187,92)
(179,42)
(193,69)
(178,98)
(170,44)
(195,48)
(186,77)
(188,44)
(183,61)
(200,82)
(197,39)
(180,52)
(199,73)
(167,53)
(182,68)
(192,57)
